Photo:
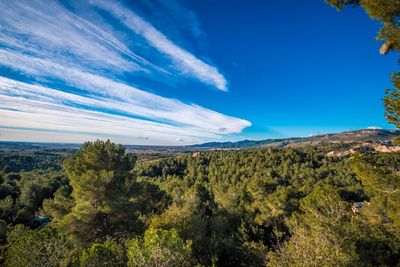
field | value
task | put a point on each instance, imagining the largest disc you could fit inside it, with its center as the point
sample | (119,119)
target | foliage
(99,175)
(45,247)
(233,204)
(320,235)
(60,205)
(16,232)
(257,207)
(159,248)
(386,11)
(392,102)
(383,187)
(99,254)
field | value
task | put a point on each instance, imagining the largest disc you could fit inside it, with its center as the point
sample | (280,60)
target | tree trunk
(105,224)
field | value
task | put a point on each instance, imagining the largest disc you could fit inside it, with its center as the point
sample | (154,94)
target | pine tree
(45,247)
(392,103)
(99,175)
(159,248)
(387,12)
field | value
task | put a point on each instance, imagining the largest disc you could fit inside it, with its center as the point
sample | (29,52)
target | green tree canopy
(100,255)
(159,248)
(45,247)
(99,174)
(392,102)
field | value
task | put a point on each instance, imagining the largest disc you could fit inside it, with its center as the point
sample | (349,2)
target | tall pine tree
(99,175)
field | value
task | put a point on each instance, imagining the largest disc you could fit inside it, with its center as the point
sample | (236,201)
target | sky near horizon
(170,72)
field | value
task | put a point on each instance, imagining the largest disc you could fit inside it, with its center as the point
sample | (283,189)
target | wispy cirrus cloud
(74,65)
(25,106)
(123,98)
(185,61)
(48,29)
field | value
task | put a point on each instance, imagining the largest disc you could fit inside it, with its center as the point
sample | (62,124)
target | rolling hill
(359,137)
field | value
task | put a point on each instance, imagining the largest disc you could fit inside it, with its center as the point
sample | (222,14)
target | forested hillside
(352,138)
(258,207)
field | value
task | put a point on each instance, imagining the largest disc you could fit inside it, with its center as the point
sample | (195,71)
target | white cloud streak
(186,61)
(125,98)
(75,64)
(19,112)
(45,28)
(32,106)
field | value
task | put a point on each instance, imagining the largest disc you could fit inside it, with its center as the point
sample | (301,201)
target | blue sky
(182,72)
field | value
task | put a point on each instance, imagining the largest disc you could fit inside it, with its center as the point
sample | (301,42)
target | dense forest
(257,207)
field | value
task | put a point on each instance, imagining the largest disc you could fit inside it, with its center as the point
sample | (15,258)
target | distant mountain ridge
(358,136)
(377,139)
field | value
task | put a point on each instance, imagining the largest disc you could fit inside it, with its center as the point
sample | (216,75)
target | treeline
(275,207)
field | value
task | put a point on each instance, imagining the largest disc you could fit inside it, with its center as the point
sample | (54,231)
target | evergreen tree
(392,103)
(163,248)
(383,188)
(45,247)
(99,176)
(100,255)
(320,234)
(387,12)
